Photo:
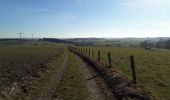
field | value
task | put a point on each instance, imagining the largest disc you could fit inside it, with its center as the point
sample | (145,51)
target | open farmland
(43,70)
(22,64)
(152,67)
(7,43)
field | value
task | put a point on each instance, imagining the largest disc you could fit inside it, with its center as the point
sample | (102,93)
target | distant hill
(133,42)
(8,39)
(57,40)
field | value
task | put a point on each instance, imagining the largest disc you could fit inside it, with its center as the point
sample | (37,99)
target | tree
(167,44)
(160,44)
(146,44)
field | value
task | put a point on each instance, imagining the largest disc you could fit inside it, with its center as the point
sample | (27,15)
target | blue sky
(85,18)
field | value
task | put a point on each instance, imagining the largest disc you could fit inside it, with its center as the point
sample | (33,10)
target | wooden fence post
(98,55)
(89,52)
(133,68)
(92,53)
(83,51)
(86,51)
(110,60)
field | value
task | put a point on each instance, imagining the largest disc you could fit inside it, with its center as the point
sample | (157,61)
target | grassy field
(152,66)
(13,43)
(22,62)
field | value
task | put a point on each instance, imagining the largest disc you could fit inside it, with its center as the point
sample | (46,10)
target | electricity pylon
(20,35)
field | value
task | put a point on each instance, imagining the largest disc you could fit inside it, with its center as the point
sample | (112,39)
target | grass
(45,78)
(20,63)
(30,55)
(152,67)
(13,43)
(73,85)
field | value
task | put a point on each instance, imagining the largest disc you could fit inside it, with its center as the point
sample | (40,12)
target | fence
(90,52)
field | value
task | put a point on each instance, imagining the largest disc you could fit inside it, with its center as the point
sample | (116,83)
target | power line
(20,35)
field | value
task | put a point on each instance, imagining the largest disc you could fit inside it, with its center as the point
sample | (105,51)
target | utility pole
(20,34)
(32,36)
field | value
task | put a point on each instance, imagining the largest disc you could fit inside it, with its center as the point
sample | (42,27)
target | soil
(95,84)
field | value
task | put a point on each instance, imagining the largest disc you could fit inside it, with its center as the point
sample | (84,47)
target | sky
(84,18)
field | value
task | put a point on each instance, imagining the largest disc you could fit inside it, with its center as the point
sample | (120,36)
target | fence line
(90,52)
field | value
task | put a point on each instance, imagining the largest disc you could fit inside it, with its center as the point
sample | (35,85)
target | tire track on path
(95,84)
(48,89)
(80,82)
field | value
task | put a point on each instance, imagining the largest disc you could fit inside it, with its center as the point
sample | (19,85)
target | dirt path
(92,86)
(95,84)
(75,80)
(73,85)
(49,88)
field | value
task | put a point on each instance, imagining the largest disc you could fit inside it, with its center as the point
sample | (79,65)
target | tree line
(164,44)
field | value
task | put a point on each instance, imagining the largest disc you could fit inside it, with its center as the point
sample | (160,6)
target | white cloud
(146,3)
(162,26)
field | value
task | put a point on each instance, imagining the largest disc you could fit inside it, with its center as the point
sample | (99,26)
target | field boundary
(121,86)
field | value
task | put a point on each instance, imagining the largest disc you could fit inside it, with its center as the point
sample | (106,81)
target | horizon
(90,38)
(85,18)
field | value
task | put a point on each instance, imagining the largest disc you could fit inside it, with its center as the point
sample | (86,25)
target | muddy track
(48,89)
(95,84)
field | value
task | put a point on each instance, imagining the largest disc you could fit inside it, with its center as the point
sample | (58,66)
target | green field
(152,67)
(23,62)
